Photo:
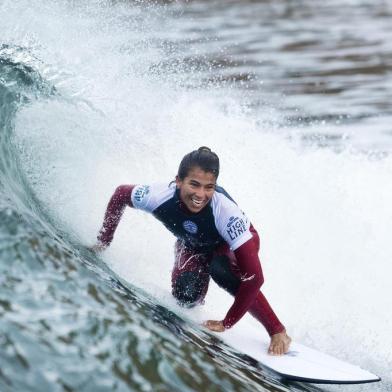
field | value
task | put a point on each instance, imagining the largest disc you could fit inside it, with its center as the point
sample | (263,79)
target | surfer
(214,239)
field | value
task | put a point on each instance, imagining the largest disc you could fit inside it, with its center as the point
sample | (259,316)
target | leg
(222,274)
(190,276)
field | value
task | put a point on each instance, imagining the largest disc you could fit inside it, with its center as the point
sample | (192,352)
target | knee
(218,267)
(188,289)
(222,275)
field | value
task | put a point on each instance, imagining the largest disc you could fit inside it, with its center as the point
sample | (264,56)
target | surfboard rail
(301,363)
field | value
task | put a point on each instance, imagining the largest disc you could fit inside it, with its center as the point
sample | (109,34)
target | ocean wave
(67,321)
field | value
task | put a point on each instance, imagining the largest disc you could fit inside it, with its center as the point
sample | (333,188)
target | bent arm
(248,296)
(114,211)
(251,277)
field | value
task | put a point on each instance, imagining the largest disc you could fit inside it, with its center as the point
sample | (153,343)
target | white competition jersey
(220,221)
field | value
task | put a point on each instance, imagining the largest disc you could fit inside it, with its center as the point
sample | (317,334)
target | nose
(200,193)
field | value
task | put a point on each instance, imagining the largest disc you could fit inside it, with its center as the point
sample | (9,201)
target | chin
(194,209)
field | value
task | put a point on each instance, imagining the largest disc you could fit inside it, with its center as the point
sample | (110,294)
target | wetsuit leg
(222,274)
(225,273)
(190,276)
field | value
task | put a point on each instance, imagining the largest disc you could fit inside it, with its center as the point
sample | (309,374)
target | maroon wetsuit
(243,261)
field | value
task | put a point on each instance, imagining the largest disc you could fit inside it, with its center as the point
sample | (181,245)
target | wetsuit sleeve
(248,296)
(119,200)
(251,277)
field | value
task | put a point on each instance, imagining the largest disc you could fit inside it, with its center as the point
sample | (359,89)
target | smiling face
(196,189)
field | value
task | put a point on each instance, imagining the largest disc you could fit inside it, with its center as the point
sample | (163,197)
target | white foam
(324,218)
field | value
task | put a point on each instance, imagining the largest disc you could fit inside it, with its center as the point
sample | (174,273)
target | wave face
(67,321)
(105,93)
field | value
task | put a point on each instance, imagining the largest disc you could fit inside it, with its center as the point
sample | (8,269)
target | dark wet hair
(204,158)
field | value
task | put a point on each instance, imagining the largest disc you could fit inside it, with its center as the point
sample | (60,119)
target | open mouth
(197,203)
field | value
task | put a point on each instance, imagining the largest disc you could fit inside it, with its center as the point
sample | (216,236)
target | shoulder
(223,203)
(150,197)
(230,221)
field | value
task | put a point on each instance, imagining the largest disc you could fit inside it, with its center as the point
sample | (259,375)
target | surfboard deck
(301,363)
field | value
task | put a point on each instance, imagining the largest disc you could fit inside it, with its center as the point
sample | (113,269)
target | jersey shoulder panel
(231,223)
(150,197)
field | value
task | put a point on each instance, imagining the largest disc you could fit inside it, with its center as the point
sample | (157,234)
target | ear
(178,182)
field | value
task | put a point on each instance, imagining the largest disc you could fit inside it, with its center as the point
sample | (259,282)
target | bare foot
(280,344)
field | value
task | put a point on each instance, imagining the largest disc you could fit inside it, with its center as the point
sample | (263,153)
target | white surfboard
(300,363)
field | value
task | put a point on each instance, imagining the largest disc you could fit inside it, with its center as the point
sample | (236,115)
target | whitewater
(107,93)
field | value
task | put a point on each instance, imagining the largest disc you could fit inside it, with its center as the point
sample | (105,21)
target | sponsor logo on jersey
(190,227)
(141,192)
(235,227)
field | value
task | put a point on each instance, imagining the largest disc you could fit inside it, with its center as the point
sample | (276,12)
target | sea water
(295,99)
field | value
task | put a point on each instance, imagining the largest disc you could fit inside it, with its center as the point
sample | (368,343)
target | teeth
(197,202)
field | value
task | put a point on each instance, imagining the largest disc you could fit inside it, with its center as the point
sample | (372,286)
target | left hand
(97,248)
(215,326)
